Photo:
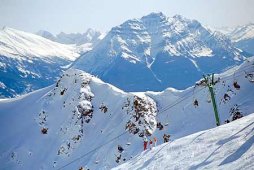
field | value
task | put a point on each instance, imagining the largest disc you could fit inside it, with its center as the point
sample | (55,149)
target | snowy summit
(155,52)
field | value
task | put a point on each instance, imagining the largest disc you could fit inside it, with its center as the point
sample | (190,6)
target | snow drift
(227,147)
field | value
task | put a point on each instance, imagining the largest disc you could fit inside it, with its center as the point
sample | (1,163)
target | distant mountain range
(90,36)
(150,53)
(155,52)
(29,62)
(243,38)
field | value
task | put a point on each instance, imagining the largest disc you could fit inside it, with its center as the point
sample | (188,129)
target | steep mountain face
(76,115)
(90,36)
(155,52)
(29,62)
(243,38)
(227,147)
(81,119)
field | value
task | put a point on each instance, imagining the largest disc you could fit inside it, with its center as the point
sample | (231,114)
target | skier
(151,144)
(195,103)
(145,143)
(166,137)
(155,141)
(118,158)
(237,115)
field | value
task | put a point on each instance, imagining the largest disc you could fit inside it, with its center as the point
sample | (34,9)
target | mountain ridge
(30,62)
(154,45)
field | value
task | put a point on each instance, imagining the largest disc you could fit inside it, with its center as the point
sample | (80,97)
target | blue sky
(79,15)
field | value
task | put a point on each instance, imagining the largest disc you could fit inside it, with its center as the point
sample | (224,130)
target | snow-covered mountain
(243,37)
(155,52)
(227,147)
(90,36)
(80,121)
(29,62)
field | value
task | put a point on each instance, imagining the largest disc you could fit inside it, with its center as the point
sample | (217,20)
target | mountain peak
(154,45)
(182,19)
(154,16)
(179,17)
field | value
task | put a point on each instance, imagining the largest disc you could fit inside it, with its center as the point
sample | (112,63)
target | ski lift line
(179,101)
(184,97)
(93,150)
(229,77)
(117,137)
(238,71)
(237,74)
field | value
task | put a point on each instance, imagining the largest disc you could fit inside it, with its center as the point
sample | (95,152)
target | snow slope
(226,147)
(242,33)
(15,44)
(86,119)
(29,62)
(81,113)
(181,117)
(154,50)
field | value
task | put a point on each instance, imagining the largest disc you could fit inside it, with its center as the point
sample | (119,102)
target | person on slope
(150,144)
(155,141)
(145,143)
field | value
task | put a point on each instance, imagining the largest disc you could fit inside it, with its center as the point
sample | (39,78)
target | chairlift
(195,103)
(236,85)
(250,77)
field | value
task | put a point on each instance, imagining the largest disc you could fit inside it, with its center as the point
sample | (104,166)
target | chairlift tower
(209,81)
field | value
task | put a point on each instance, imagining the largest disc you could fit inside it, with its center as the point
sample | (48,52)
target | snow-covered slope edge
(226,147)
(16,44)
(53,126)
(29,62)
(85,119)
(181,117)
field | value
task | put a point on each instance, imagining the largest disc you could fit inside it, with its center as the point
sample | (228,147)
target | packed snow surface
(230,146)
